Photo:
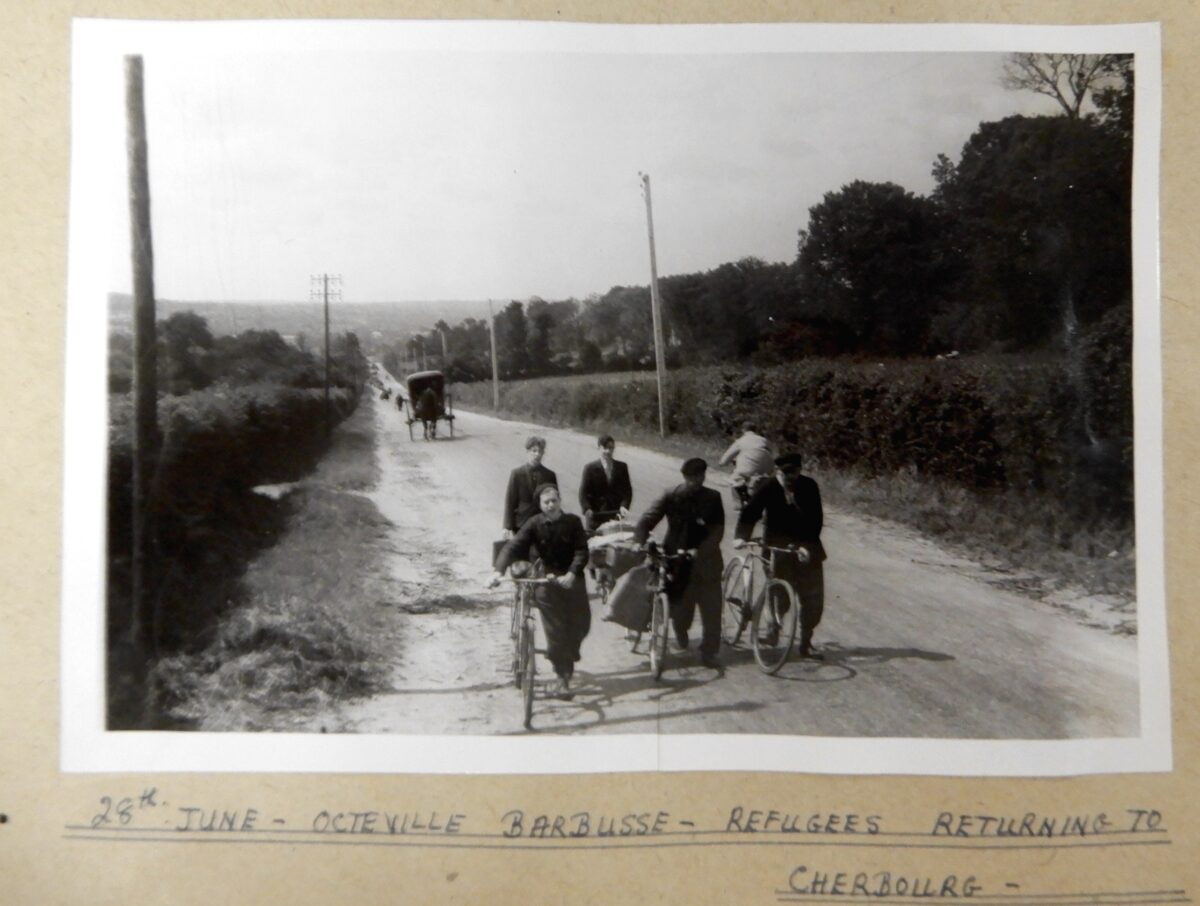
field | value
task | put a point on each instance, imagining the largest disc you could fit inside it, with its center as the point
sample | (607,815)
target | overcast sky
(453,175)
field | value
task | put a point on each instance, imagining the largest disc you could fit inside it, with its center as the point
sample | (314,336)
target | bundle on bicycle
(611,552)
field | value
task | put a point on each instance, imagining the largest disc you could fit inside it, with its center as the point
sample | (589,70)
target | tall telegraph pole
(495,361)
(660,366)
(326,287)
(143,625)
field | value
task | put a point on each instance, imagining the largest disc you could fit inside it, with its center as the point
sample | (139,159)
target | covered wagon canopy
(428,401)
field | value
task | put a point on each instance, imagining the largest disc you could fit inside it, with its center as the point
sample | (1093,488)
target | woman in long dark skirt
(561,543)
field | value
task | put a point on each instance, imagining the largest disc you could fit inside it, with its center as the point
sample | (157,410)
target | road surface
(918,643)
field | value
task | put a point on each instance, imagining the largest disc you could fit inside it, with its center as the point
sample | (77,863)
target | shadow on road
(834,653)
(595,693)
(836,666)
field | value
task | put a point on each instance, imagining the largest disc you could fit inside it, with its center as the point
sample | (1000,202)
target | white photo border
(86,744)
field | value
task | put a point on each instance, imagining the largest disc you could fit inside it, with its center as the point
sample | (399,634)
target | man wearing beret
(791,503)
(696,523)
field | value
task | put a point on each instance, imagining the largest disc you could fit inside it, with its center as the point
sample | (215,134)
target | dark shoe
(811,653)
(681,641)
(562,689)
(770,638)
(710,661)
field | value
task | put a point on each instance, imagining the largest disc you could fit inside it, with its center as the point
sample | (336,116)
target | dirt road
(920,643)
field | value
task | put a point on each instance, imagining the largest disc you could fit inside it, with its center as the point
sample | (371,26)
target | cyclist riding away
(753,462)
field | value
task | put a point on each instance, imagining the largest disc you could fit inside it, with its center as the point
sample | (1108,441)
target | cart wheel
(658,635)
(773,630)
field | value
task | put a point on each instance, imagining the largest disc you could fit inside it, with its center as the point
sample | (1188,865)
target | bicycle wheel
(733,594)
(658,634)
(520,629)
(530,669)
(773,629)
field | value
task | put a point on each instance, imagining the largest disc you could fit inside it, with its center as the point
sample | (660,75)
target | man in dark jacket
(791,504)
(519,500)
(604,491)
(695,522)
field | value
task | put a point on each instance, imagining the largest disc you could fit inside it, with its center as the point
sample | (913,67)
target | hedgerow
(216,445)
(985,423)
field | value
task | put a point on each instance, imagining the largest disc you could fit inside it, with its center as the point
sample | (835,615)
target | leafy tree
(590,359)
(184,353)
(1040,208)
(872,258)
(1114,103)
(539,342)
(512,341)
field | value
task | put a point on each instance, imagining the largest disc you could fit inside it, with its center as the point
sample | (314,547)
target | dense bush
(986,423)
(217,444)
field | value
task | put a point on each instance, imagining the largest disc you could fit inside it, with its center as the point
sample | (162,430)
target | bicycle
(524,648)
(772,626)
(660,605)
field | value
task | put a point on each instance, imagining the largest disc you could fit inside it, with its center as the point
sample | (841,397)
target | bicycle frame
(772,626)
(525,650)
(660,568)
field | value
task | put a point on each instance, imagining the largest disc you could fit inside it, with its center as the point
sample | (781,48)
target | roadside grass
(305,628)
(1022,533)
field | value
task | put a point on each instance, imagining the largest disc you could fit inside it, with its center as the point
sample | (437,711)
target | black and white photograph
(526,397)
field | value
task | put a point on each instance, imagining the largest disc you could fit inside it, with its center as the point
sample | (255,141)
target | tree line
(1024,244)
(190,358)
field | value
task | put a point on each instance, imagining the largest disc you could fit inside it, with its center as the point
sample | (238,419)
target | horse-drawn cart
(427,403)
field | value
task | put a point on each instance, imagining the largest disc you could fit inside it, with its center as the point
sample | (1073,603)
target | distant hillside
(378,321)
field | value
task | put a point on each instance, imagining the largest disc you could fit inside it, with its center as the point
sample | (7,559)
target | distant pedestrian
(520,501)
(791,507)
(604,490)
(695,523)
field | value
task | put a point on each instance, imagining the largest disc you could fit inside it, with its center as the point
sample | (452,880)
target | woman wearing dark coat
(561,543)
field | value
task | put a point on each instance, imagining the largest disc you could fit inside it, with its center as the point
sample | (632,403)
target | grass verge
(306,628)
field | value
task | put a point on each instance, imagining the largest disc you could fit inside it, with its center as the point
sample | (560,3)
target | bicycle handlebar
(653,550)
(790,549)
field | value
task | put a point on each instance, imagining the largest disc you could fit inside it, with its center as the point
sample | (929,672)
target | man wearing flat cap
(695,522)
(791,505)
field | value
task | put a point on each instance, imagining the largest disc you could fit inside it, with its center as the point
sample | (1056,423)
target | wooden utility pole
(660,366)
(445,354)
(319,288)
(143,626)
